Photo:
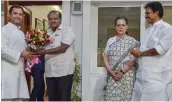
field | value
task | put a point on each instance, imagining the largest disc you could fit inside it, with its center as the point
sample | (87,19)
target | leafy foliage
(76,80)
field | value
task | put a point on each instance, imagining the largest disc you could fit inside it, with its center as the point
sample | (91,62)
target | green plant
(76,80)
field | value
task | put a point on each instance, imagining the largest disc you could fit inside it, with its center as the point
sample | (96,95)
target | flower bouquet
(36,40)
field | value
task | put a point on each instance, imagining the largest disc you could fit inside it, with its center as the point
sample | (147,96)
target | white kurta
(58,65)
(154,76)
(13,79)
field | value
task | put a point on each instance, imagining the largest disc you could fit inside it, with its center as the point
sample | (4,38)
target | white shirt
(57,65)
(13,79)
(158,36)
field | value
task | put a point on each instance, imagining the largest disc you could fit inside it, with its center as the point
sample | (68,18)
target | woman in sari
(119,63)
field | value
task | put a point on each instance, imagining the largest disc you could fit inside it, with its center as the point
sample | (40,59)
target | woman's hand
(116,75)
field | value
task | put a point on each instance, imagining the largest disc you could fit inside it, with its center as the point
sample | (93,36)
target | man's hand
(40,52)
(25,54)
(28,55)
(136,52)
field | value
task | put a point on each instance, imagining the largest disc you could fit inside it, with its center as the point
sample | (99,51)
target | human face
(16,16)
(151,16)
(121,27)
(54,20)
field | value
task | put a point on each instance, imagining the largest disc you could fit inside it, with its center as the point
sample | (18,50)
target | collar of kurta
(60,27)
(56,34)
(157,23)
(13,25)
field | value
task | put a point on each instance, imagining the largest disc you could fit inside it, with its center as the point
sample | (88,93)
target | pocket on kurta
(152,42)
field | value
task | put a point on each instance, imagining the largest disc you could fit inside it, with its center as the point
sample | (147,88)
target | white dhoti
(153,86)
(154,75)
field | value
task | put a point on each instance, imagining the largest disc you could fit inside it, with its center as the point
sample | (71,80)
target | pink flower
(29,64)
(33,46)
(27,36)
(35,60)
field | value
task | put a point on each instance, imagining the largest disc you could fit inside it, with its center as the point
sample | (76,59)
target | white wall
(86,42)
(76,22)
(2,19)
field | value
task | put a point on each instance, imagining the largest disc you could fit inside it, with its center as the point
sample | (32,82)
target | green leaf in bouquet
(34,38)
(41,38)
(33,42)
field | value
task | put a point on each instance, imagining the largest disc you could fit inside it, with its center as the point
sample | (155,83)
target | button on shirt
(57,65)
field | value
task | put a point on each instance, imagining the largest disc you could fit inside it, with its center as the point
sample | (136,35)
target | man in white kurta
(13,81)
(154,76)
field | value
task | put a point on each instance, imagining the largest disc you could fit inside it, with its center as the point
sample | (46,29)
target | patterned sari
(121,90)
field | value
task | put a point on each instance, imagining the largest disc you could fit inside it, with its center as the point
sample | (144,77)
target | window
(167,14)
